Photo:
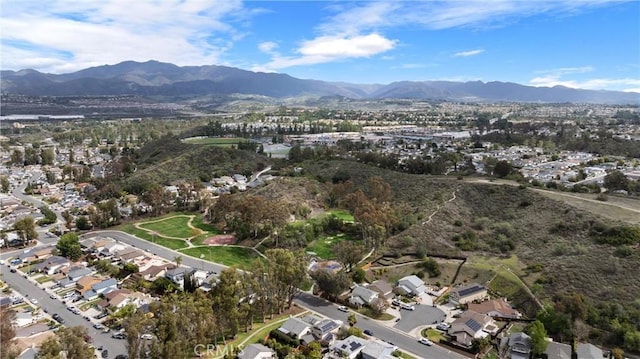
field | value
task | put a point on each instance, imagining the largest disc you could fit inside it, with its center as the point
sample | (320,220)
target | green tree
(48,156)
(352,319)
(4,184)
(17,157)
(7,333)
(632,341)
(616,180)
(69,340)
(82,223)
(26,230)
(359,275)
(331,284)
(502,169)
(347,252)
(69,246)
(538,337)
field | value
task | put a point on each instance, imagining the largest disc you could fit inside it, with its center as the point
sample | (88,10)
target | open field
(322,246)
(229,256)
(165,242)
(342,214)
(215,141)
(615,208)
(177,226)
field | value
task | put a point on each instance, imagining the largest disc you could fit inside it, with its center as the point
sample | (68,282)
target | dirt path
(606,203)
(453,197)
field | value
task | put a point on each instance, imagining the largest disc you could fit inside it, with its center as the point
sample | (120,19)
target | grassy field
(615,208)
(215,141)
(342,214)
(165,242)
(170,227)
(229,256)
(199,223)
(322,246)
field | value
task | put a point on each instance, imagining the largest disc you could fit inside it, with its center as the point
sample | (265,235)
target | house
(110,249)
(588,351)
(295,328)
(101,287)
(325,329)
(361,295)
(495,308)
(558,351)
(52,265)
(384,289)
(5,302)
(350,347)
(85,283)
(470,326)
(468,293)
(154,272)
(44,252)
(23,319)
(519,346)
(412,285)
(176,275)
(129,255)
(377,349)
(73,275)
(256,351)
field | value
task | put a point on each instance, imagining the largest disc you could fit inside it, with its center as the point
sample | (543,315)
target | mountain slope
(153,78)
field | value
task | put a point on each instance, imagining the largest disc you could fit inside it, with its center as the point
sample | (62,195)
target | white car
(425,341)
(342,308)
(34,301)
(146,336)
(407,306)
(443,326)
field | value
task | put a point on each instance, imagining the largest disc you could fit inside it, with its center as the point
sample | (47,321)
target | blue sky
(593,44)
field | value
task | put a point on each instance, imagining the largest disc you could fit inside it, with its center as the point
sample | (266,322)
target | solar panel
(475,326)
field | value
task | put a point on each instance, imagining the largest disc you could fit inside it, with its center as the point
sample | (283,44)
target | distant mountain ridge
(153,78)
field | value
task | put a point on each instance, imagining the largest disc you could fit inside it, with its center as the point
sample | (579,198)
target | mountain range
(153,78)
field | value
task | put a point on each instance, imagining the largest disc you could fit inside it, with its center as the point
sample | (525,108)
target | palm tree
(178,260)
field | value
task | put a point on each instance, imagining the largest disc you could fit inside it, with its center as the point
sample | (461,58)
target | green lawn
(170,227)
(215,141)
(322,246)
(199,223)
(434,335)
(344,215)
(229,256)
(165,242)
(43,279)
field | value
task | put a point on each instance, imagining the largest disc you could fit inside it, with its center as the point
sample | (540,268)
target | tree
(69,340)
(616,180)
(17,157)
(4,184)
(359,275)
(538,337)
(82,223)
(632,341)
(7,333)
(347,252)
(48,156)
(352,319)
(26,229)
(617,353)
(502,169)
(69,246)
(331,284)
(177,260)
(287,270)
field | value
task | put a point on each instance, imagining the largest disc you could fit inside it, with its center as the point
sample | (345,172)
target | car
(12,270)
(425,341)
(146,336)
(106,330)
(443,326)
(53,296)
(368,332)
(122,356)
(58,318)
(342,308)
(407,306)
(34,301)
(98,326)
(101,315)
(105,353)
(86,318)
(118,336)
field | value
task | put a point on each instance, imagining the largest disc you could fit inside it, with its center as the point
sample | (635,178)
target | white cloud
(325,49)
(468,53)
(624,84)
(268,47)
(568,70)
(78,34)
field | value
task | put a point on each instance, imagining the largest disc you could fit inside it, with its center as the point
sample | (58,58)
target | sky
(590,44)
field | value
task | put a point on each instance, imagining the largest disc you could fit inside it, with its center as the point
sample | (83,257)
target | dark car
(119,336)
(58,318)
(122,356)
(368,332)
(12,270)
(105,353)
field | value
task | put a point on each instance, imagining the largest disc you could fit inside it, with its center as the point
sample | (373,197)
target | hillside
(168,159)
(168,81)
(499,220)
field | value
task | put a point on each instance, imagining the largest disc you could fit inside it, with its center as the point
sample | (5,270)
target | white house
(412,285)
(256,351)
(362,294)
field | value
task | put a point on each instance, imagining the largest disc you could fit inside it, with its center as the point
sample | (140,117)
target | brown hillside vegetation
(545,234)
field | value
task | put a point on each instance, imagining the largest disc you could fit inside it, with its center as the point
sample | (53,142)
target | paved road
(423,314)
(381,331)
(159,250)
(31,290)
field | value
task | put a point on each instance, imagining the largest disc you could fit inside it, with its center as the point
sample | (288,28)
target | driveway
(422,315)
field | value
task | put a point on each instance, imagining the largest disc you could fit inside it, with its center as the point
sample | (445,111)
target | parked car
(407,306)
(119,336)
(105,353)
(425,341)
(98,326)
(34,301)
(368,332)
(342,308)
(58,318)
(146,336)
(12,270)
